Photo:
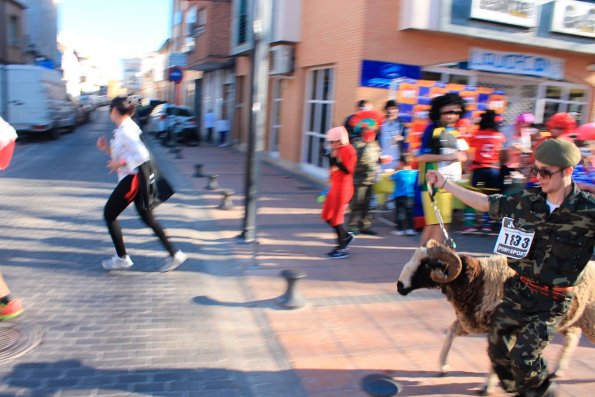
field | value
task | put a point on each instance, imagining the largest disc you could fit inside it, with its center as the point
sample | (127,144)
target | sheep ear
(432,243)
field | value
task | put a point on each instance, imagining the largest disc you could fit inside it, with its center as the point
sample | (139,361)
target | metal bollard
(226,202)
(212,184)
(292,299)
(198,171)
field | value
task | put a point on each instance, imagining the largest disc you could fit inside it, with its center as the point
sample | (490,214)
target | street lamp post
(258,100)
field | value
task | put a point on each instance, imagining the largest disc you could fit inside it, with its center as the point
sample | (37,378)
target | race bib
(513,242)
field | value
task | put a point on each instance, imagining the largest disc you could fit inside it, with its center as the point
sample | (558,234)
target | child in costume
(342,159)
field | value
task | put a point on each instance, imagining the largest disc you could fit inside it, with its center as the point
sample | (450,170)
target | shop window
(553,92)
(319,113)
(563,97)
(551,108)
(577,95)
(450,75)
(434,76)
(458,79)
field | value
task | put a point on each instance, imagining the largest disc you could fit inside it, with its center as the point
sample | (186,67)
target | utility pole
(261,26)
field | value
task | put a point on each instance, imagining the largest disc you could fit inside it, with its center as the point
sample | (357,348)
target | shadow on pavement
(44,379)
(263,303)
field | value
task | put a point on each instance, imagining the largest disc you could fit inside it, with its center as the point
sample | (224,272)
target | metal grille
(520,95)
(17,339)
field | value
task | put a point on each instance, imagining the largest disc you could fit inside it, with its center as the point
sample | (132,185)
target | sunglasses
(452,112)
(334,141)
(543,172)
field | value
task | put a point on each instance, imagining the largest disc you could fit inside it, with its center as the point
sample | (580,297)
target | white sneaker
(173,262)
(117,263)
(397,232)
(411,232)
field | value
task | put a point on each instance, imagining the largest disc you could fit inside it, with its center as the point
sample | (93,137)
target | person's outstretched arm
(477,200)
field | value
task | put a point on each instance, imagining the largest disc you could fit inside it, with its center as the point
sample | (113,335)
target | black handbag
(155,188)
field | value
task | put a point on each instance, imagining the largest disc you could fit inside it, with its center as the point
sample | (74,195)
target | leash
(449,242)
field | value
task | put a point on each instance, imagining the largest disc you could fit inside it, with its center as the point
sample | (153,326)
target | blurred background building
(12,35)
(326,55)
(132,78)
(41,33)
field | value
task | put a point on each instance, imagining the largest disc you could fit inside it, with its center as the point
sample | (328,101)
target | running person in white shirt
(128,153)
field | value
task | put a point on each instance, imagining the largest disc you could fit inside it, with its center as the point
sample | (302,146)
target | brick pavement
(356,323)
(212,328)
(134,333)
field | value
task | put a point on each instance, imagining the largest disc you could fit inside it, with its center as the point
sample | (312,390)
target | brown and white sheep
(474,287)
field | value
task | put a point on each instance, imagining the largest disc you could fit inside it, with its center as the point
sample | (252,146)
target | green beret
(558,153)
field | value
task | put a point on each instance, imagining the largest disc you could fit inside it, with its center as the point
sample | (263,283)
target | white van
(33,100)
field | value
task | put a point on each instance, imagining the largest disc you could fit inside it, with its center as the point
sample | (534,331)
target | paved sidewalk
(132,333)
(356,323)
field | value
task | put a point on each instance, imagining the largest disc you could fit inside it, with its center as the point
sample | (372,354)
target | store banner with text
(516,63)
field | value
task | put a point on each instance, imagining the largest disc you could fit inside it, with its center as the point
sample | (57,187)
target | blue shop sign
(516,63)
(378,74)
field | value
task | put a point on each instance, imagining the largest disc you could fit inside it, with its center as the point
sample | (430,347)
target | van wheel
(54,134)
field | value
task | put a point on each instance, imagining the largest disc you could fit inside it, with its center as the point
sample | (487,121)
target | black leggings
(126,192)
(341,235)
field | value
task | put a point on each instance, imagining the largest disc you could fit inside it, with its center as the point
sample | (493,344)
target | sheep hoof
(557,374)
(444,370)
(483,391)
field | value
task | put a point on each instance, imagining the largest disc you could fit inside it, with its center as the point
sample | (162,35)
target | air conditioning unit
(281,60)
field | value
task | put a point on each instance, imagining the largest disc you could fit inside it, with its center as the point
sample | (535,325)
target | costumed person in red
(342,159)
(559,126)
(10,307)
(486,143)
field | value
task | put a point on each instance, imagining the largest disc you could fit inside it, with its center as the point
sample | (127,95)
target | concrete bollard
(198,171)
(212,184)
(292,299)
(226,202)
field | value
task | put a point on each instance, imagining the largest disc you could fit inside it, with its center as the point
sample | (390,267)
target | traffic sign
(175,74)
(177,59)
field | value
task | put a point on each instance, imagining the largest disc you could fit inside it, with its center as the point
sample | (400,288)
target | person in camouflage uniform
(562,218)
(367,166)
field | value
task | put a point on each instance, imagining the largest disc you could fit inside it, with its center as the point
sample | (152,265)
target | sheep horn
(453,264)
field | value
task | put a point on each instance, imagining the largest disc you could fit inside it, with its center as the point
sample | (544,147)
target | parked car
(144,110)
(103,100)
(36,100)
(83,112)
(88,102)
(169,122)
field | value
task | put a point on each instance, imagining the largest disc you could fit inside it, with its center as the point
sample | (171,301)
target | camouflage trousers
(521,327)
(360,217)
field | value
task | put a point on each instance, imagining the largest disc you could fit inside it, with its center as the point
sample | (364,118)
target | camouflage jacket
(368,162)
(564,239)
